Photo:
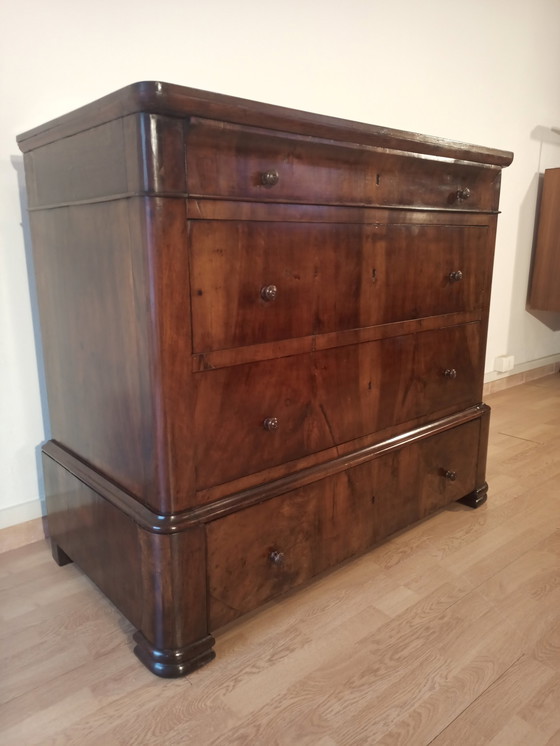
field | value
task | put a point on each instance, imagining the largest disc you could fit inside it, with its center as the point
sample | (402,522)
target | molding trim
(177,522)
(12,515)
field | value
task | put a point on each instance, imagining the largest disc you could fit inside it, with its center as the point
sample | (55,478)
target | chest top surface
(178,101)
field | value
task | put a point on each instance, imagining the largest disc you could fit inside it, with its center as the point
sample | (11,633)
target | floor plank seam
(525,440)
(502,568)
(480,694)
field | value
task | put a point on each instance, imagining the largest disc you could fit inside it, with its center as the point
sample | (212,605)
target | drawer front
(230,161)
(251,417)
(255,282)
(258,553)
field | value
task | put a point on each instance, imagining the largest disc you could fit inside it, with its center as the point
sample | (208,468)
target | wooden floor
(448,634)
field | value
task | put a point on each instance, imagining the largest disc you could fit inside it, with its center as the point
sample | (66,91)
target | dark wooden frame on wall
(544,289)
(264,333)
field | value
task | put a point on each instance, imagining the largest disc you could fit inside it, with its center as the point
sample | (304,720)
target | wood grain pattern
(379,266)
(329,397)
(242,493)
(142,298)
(225,160)
(105,163)
(447,634)
(319,526)
(90,276)
(166,98)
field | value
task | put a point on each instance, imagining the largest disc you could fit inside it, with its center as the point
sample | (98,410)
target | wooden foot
(59,556)
(476,498)
(171,664)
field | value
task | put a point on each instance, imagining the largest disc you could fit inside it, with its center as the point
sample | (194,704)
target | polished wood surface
(122,158)
(95,324)
(544,289)
(381,265)
(323,172)
(330,397)
(169,99)
(320,525)
(447,634)
(244,317)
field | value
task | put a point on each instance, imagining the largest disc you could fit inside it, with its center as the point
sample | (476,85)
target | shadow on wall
(17,163)
(551,319)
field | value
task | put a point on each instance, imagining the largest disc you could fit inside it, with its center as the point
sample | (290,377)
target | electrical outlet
(503,363)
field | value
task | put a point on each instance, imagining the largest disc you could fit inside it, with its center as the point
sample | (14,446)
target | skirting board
(518,377)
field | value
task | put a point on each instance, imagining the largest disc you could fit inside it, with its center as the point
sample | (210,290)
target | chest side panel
(91,279)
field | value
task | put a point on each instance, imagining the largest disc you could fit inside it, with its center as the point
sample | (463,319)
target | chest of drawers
(263,334)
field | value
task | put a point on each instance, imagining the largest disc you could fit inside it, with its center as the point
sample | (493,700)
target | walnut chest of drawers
(263,334)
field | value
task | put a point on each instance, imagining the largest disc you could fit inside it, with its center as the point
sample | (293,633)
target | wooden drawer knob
(271,423)
(270,178)
(450,373)
(463,194)
(269,293)
(276,558)
(451,475)
(456,276)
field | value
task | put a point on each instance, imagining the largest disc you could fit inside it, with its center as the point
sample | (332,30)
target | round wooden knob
(451,475)
(271,423)
(463,194)
(270,178)
(269,293)
(456,276)
(450,373)
(277,558)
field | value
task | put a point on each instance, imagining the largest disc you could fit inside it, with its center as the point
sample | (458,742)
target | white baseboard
(22,513)
(542,362)
(523,373)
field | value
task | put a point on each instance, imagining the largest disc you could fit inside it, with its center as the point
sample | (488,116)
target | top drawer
(248,163)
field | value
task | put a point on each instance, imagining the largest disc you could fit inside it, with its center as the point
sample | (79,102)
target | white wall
(484,71)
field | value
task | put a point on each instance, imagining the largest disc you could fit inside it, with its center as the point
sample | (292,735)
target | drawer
(248,163)
(255,282)
(258,553)
(250,417)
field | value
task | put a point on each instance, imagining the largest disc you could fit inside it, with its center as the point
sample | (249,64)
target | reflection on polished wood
(448,633)
(264,335)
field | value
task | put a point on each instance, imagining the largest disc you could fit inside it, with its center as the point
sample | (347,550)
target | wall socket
(503,363)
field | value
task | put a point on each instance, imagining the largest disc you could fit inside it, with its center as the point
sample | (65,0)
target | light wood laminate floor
(447,634)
